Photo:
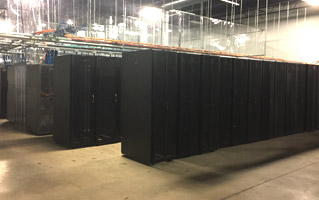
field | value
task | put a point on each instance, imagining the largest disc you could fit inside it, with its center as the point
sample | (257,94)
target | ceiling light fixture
(312,2)
(231,2)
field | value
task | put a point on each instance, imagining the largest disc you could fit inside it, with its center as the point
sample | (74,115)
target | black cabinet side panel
(136,98)
(189,105)
(226,78)
(240,102)
(61,100)
(255,100)
(280,99)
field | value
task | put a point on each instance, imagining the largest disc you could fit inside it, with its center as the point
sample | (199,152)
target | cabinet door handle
(93,98)
(115,97)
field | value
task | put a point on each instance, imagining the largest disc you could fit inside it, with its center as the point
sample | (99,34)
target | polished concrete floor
(31,167)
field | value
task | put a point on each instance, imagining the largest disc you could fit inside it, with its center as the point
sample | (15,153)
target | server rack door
(255,100)
(291,99)
(33,98)
(207,65)
(317,103)
(11,98)
(82,98)
(240,102)
(46,98)
(189,105)
(210,106)
(280,99)
(136,105)
(311,98)
(215,108)
(301,97)
(171,103)
(159,106)
(20,84)
(106,100)
(61,100)
(226,81)
(267,118)
(3,92)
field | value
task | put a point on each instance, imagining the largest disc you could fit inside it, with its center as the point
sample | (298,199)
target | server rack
(76,90)
(240,101)
(268,97)
(311,98)
(280,99)
(16,99)
(301,97)
(210,116)
(189,72)
(3,92)
(148,105)
(226,81)
(255,100)
(39,104)
(291,106)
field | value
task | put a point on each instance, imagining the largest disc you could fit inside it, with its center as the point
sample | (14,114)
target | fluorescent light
(172,3)
(70,22)
(6,26)
(231,2)
(151,14)
(312,2)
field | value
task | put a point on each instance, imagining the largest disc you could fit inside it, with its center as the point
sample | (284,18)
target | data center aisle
(34,167)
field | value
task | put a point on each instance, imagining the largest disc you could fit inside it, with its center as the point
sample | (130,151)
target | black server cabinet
(226,106)
(255,100)
(75,94)
(3,92)
(280,99)
(39,103)
(268,97)
(16,98)
(240,101)
(291,106)
(311,98)
(210,104)
(301,97)
(148,105)
(189,89)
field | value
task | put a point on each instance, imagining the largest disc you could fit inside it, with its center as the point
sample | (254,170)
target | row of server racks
(175,105)
(29,97)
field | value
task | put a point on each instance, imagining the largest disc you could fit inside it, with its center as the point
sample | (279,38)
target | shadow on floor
(217,166)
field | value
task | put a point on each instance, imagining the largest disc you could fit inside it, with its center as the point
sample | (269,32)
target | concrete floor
(31,167)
